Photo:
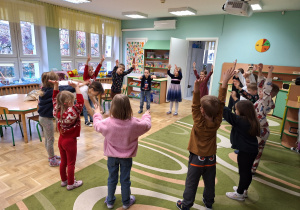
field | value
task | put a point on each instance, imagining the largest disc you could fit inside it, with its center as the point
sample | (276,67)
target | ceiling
(156,9)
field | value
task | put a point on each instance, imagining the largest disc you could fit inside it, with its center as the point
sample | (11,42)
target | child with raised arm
(267,91)
(68,123)
(145,89)
(121,131)
(207,112)
(89,73)
(245,128)
(174,92)
(118,74)
(203,73)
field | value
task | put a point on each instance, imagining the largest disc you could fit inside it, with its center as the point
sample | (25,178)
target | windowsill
(16,84)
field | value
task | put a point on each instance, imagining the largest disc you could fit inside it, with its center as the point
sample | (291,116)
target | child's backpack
(297,81)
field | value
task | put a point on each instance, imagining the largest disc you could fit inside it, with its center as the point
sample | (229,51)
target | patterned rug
(159,172)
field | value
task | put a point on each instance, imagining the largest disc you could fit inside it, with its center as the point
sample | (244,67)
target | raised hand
(271,68)
(88,58)
(176,66)
(234,64)
(97,109)
(169,66)
(212,69)
(227,75)
(133,63)
(102,59)
(73,84)
(55,82)
(197,85)
(117,62)
(194,65)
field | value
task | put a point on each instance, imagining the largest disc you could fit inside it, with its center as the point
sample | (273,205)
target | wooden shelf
(293,104)
(156,68)
(286,131)
(292,120)
(278,73)
(160,59)
(140,87)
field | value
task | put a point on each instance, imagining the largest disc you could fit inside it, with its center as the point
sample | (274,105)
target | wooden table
(16,105)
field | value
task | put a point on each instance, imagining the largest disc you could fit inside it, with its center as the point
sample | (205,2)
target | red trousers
(68,151)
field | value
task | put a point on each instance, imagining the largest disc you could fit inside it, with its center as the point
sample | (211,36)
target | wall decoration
(262,45)
(134,49)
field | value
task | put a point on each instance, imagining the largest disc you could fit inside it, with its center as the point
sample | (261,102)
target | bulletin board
(134,49)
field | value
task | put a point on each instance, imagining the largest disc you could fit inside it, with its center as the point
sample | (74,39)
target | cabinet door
(179,55)
(280,104)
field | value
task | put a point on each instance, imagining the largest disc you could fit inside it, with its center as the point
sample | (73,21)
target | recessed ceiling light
(256,6)
(182,11)
(78,1)
(135,14)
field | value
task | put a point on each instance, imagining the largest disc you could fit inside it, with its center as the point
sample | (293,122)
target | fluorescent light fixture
(182,11)
(78,1)
(256,6)
(135,14)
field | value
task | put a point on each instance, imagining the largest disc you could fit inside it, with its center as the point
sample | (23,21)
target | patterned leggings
(48,127)
(261,145)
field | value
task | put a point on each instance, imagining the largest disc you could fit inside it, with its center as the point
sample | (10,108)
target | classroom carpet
(159,172)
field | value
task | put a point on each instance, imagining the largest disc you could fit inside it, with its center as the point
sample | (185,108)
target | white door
(179,55)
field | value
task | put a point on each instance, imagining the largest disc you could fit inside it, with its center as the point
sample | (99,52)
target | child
(203,85)
(120,150)
(145,89)
(68,118)
(174,92)
(90,92)
(118,74)
(245,128)
(250,93)
(46,115)
(267,91)
(90,75)
(238,76)
(207,115)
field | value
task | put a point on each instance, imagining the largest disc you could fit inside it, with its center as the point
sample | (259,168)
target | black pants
(245,162)
(205,166)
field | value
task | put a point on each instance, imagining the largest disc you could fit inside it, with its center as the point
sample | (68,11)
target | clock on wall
(262,45)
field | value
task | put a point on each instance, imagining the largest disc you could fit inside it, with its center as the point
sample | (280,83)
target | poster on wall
(134,49)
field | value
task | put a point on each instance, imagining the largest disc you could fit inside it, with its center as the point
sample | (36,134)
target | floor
(24,169)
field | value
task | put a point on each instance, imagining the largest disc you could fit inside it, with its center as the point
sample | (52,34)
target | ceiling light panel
(135,14)
(78,1)
(182,11)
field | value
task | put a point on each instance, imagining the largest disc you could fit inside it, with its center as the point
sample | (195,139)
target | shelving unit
(162,83)
(290,120)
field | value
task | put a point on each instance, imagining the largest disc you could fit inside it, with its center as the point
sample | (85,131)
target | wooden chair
(7,123)
(36,119)
(124,89)
(106,98)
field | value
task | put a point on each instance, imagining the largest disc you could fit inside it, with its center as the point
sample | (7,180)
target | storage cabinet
(159,85)
(290,120)
(280,103)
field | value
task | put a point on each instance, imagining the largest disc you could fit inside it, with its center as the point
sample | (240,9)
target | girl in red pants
(68,117)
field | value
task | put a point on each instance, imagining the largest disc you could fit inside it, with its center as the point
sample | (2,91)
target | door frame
(207,39)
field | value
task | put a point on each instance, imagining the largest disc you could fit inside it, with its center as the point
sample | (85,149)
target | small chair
(107,98)
(7,123)
(124,89)
(36,119)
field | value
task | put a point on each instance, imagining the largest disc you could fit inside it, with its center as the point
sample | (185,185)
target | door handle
(189,86)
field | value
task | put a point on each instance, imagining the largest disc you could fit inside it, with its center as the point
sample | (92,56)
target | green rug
(159,173)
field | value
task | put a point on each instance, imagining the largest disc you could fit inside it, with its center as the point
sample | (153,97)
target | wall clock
(262,45)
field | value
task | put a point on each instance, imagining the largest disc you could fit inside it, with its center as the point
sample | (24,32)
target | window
(19,51)
(76,45)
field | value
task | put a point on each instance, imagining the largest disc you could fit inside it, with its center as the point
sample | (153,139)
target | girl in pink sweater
(121,132)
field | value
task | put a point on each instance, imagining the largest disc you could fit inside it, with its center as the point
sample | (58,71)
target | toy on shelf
(150,54)
(73,73)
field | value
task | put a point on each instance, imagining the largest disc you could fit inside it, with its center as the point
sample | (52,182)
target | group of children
(248,122)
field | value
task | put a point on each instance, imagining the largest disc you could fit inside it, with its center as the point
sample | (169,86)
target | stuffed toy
(73,73)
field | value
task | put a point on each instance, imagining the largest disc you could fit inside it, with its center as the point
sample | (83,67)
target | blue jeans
(144,93)
(113,165)
(85,113)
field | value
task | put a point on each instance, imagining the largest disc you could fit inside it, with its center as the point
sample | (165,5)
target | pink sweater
(121,136)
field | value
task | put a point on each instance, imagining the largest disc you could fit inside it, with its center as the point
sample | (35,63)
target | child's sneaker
(235,196)
(54,162)
(206,206)
(169,112)
(179,205)
(131,202)
(175,113)
(88,124)
(64,183)
(75,185)
(140,111)
(245,194)
(110,206)
(56,156)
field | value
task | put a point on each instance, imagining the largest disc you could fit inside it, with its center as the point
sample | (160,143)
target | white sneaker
(75,185)
(245,194)
(88,124)
(235,196)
